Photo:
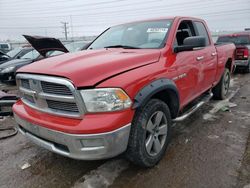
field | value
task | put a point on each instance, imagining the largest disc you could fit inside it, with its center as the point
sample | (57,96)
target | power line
(58,1)
(234,13)
(81,8)
(145,12)
(189,4)
(94,24)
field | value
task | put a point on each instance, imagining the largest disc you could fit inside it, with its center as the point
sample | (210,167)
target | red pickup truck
(242,52)
(122,94)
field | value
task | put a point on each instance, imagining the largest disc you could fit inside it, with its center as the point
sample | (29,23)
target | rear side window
(201,31)
(238,40)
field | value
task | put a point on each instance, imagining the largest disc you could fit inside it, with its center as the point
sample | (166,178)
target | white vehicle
(5,47)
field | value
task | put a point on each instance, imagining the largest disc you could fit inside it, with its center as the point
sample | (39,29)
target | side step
(204,100)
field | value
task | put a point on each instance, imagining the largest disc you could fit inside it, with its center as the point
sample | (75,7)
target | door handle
(213,54)
(199,58)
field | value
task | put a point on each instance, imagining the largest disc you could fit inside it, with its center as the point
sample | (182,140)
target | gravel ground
(210,149)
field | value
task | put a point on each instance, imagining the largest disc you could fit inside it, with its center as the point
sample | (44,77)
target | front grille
(50,94)
(66,106)
(53,88)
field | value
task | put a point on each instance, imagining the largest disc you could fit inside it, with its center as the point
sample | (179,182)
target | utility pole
(71,24)
(65,29)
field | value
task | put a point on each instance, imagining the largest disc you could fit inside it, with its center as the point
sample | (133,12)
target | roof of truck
(162,18)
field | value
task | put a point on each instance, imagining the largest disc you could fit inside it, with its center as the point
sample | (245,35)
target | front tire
(220,91)
(150,134)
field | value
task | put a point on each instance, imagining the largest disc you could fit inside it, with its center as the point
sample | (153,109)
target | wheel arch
(163,89)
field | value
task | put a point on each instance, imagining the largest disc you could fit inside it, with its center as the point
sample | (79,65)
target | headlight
(105,99)
(8,69)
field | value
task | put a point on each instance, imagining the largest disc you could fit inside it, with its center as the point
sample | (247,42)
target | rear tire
(150,134)
(220,91)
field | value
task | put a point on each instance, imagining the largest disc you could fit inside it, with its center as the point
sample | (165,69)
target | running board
(194,108)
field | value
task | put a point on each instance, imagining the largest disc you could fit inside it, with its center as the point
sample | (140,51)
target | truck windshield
(238,40)
(139,35)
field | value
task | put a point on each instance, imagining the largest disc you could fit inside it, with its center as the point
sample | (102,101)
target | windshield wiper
(122,46)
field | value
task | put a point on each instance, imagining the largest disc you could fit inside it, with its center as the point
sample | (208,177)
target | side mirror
(190,43)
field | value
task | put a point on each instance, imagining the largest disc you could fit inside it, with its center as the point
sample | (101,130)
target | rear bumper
(242,63)
(77,146)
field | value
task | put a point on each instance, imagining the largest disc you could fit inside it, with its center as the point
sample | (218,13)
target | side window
(201,31)
(184,30)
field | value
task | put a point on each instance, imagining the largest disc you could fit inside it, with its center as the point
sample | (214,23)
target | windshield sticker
(157,30)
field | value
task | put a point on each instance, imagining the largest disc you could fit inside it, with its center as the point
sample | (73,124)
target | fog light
(92,142)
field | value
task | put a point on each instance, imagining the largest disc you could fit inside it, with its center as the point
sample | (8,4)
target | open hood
(45,44)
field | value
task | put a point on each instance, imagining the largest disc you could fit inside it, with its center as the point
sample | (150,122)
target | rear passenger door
(206,58)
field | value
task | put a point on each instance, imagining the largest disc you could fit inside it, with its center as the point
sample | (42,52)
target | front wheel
(220,91)
(150,134)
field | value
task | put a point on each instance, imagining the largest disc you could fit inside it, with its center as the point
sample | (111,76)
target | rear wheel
(220,91)
(150,134)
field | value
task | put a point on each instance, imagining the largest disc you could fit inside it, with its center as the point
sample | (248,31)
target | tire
(147,127)
(220,91)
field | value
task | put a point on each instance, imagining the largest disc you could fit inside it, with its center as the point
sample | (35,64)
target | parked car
(5,47)
(242,54)
(41,45)
(3,57)
(71,47)
(123,93)
(17,53)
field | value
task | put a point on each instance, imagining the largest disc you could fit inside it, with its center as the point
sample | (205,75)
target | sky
(88,18)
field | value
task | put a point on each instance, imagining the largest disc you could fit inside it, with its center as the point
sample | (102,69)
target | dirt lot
(210,149)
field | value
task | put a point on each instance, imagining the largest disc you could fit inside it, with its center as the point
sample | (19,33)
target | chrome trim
(27,91)
(214,54)
(79,146)
(199,58)
(41,96)
(54,97)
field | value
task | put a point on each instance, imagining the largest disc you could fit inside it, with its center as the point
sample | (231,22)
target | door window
(184,30)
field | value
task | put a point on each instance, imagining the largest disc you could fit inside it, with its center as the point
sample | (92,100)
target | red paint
(138,67)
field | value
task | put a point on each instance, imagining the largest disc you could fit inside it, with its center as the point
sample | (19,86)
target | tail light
(242,53)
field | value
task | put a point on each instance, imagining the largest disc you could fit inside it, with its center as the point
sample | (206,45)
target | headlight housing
(8,69)
(105,99)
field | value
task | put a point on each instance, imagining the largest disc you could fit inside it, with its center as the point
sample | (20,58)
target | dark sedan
(42,47)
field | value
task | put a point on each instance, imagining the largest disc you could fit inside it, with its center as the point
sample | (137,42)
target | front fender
(155,87)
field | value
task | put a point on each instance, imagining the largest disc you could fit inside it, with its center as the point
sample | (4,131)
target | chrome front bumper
(77,146)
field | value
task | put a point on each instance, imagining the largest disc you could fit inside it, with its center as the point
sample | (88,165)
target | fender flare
(155,87)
